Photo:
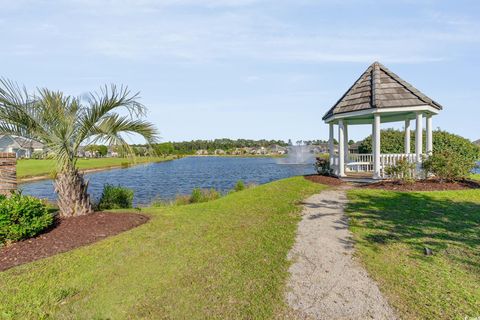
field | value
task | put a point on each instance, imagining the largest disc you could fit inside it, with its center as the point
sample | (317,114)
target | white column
(331,150)
(341,150)
(376,146)
(345,140)
(418,138)
(429,135)
(407,137)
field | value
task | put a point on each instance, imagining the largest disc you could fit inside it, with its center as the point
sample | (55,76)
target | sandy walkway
(326,282)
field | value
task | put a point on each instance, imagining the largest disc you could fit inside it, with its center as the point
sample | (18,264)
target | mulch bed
(329,181)
(423,185)
(68,234)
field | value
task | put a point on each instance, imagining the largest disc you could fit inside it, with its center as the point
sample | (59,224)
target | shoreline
(85,171)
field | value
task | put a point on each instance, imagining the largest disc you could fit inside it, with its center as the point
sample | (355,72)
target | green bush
(322,166)
(448,165)
(22,217)
(198,195)
(462,154)
(444,141)
(392,141)
(115,197)
(239,186)
(402,171)
(203,195)
(38,155)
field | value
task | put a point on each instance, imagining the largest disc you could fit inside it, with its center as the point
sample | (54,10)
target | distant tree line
(190,147)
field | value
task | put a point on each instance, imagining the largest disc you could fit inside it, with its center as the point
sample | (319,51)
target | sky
(247,68)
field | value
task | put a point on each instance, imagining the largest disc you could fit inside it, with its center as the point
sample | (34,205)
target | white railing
(390,160)
(359,162)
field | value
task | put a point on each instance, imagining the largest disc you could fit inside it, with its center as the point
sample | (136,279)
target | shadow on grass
(420,220)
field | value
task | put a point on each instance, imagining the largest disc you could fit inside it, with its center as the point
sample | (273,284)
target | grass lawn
(34,167)
(392,230)
(476,176)
(224,259)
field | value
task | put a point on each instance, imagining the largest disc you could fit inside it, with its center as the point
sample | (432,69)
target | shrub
(322,166)
(198,195)
(239,186)
(203,195)
(448,165)
(115,197)
(444,141)
(38,155)
(402,171)
(22,217)
(392,141)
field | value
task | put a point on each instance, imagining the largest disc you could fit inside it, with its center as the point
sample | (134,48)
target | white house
(23,147)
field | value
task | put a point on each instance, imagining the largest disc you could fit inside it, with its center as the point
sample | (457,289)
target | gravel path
(326,282)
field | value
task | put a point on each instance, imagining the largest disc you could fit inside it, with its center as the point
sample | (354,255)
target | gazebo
(379,96)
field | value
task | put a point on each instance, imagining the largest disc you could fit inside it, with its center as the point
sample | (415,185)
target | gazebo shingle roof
(378,87)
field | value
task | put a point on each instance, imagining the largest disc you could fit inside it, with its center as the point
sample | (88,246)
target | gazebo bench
(357,164)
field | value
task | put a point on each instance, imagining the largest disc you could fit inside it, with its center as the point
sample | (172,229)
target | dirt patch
(329,181)
(423,185)
(68,234)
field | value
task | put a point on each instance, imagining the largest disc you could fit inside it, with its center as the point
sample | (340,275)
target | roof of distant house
(25,142)
(378,87)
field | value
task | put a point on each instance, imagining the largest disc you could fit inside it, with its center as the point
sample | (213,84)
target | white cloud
(173,31)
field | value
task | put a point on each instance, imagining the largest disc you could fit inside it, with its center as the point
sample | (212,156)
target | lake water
(167,179)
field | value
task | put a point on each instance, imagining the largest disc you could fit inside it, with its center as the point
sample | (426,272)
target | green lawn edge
(391,230)
(29,168)
(225,259)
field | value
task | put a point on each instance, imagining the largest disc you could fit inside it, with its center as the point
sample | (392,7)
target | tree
(100,149)
(64,123)
(165,148)
(391,141)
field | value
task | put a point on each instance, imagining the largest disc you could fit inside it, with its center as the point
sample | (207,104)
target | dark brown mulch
(423,185)
(68,234)
(329,181)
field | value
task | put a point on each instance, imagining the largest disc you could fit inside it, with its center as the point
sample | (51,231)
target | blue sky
(246,68)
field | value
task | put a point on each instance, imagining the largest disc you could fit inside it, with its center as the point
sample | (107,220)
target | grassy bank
(224,259)
(476,176)
(33,167)
(392,230)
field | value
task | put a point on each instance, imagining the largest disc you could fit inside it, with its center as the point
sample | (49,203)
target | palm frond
(102,111)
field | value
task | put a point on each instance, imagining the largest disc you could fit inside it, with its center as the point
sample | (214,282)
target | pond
(165,180)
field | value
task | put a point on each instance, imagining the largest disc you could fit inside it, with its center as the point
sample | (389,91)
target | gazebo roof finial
(378,87)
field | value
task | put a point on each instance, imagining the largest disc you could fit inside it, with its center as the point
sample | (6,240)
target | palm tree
(64,123)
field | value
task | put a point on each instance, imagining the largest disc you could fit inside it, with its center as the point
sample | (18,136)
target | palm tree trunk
(73,199)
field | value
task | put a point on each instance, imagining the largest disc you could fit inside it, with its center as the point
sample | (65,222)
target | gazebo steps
(359,178)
